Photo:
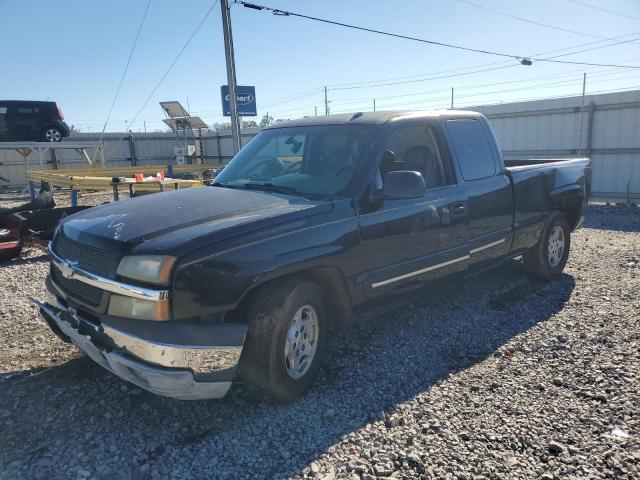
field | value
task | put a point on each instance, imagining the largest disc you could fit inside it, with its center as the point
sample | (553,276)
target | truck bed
(540,185)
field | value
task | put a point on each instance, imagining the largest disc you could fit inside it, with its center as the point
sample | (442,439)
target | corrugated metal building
(607,129)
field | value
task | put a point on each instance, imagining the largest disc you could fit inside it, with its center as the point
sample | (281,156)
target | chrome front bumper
(182,369)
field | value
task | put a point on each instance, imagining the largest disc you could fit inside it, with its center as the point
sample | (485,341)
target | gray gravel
(496,377)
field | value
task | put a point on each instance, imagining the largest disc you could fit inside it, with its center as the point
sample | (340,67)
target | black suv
(28,120)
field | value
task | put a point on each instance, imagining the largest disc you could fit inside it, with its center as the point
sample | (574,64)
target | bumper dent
(161,368)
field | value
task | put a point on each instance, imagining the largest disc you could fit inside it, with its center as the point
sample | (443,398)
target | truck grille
(91,259)
(94,260)
(86,293)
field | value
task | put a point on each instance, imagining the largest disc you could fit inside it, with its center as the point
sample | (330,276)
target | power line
(495,63)
(522,59)
(550,59)
(299,94)
(584,4)
(157,85)
(596,48)
(463,87)
(376,83)
(124,73)
(175,60)
(522,19)
(286,13)
(444,101)
(569,82)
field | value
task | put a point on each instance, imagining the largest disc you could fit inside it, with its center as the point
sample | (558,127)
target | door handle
(459,209)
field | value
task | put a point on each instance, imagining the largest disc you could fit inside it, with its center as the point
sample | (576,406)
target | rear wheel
(549,256)
(52,134)
(285,340)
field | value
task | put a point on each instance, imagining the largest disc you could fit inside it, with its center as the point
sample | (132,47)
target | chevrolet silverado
(315,223)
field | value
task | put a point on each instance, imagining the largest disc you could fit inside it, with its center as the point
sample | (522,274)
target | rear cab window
(473,148)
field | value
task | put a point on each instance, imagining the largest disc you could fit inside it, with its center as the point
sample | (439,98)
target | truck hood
(184,220)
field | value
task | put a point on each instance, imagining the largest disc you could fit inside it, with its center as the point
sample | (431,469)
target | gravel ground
(496,377)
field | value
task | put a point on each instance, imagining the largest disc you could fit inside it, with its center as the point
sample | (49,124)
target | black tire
(537,259)
(51,134)
(262,365)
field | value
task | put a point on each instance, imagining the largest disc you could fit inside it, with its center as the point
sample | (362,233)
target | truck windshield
(315,161)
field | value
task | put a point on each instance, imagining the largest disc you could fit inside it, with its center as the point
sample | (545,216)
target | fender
(219,283)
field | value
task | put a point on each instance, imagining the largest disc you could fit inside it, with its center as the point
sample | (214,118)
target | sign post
(231,74)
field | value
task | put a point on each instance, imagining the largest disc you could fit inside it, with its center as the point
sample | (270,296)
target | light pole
(231,75)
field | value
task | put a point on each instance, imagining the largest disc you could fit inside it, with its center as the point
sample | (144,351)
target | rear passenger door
(405,242)
(22,121)
(490,201)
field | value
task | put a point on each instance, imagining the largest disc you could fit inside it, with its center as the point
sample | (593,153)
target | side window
(24,111)
(3,111)
(473,149)
(415,148)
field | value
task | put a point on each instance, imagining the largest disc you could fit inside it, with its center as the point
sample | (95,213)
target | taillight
(60,112)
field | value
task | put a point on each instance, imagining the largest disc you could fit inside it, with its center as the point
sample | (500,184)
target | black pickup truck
(315,223)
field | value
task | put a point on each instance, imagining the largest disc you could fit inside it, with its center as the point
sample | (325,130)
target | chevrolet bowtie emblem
(66,268)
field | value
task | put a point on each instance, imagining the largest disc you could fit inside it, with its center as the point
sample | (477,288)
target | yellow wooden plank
(83,182)
(127,171)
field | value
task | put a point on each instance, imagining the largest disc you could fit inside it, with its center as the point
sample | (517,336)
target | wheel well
(330,281)
(571,208)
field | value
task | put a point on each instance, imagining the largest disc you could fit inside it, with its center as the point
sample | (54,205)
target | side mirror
(403,184)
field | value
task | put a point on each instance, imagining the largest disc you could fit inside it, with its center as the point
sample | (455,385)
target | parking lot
(499,376)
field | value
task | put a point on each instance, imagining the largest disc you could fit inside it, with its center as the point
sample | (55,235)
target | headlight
(155,269)
(129,307)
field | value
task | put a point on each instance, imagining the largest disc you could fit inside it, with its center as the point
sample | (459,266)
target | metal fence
(606,128)
(121,149)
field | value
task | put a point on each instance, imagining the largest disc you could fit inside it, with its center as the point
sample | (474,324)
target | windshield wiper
(223,185)
(271,187)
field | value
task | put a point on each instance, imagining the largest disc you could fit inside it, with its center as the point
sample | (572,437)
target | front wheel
(52,134)
(285,340)
(549,256)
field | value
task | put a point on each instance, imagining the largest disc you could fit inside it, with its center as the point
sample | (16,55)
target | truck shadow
(372,368)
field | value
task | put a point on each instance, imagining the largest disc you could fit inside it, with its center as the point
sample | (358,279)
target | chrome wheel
(302,342)
(52,135)
(555,248)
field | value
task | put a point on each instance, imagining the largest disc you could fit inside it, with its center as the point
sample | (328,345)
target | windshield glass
(310,161)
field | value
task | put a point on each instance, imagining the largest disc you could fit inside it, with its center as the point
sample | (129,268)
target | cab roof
(374,118)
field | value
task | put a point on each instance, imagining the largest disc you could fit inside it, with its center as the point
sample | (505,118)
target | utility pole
(315,109)
(374,104)
(584,85)
(231,75)
(326,102)
(451,98)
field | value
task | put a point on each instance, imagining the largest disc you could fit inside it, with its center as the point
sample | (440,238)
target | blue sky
(75,52)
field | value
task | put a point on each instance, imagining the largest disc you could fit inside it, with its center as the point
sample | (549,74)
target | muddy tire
(547,259)
(285,341)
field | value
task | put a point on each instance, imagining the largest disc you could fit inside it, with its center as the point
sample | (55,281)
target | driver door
(406,242)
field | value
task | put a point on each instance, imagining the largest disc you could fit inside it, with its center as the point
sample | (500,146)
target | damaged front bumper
(188,362)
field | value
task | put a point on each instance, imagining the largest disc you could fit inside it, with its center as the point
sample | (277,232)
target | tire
(51,134)
(263,365)
(547,259)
